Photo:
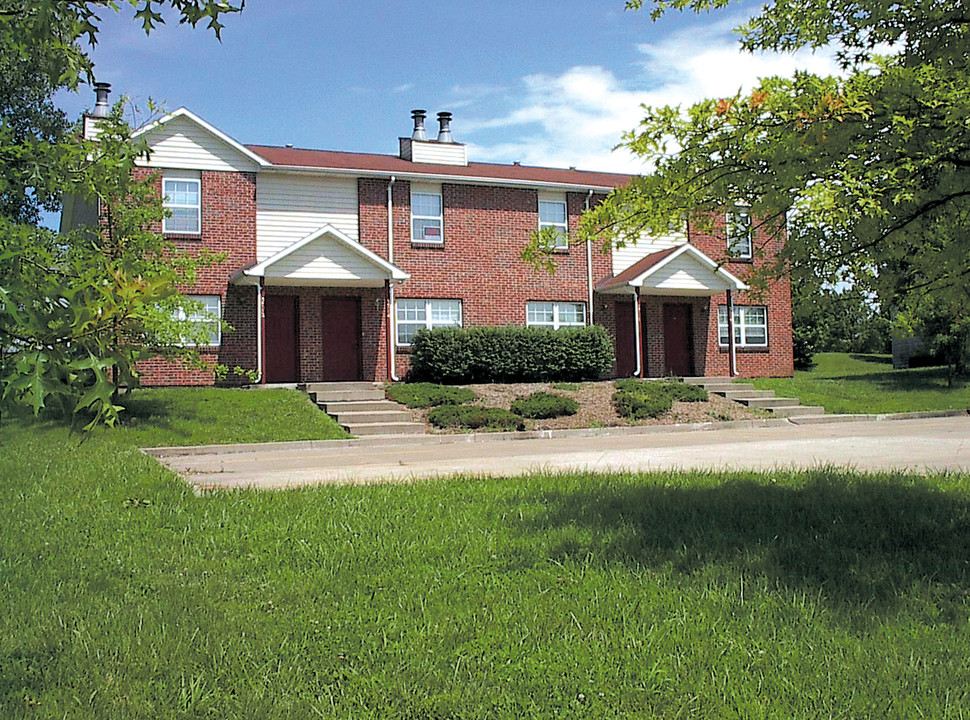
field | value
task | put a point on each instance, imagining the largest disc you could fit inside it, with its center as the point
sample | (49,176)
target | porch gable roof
(324,258)
(680,270)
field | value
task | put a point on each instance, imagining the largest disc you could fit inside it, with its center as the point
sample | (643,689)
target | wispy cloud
(578,116)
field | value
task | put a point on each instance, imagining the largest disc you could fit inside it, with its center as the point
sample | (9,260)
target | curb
(388,440)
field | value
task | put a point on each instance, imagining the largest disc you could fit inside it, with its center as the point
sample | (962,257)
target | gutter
(638,371)
(391,325)
(589,265)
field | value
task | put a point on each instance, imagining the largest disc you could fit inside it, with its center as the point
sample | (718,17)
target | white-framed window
(750,325)
(552,215)
(427,223)
(555,315)
(414,315)
(182,197)
(737,227)
(208,317)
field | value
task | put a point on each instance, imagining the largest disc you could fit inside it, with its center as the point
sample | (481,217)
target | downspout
(260,329)
(732,349)
(391,329)
(589,265)
(638,371)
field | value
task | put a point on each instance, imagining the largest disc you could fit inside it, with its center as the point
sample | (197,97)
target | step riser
(793,411)
(354,418)
(333,397)
(742,395)
(359,406)
(385,429)
(339,387)
(769,402)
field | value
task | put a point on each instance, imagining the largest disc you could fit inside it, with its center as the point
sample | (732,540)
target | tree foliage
(78,310)
(869,168)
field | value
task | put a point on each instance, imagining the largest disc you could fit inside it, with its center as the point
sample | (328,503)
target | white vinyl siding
(737,226)
(415,315)
(427,222)
(434,153)
(326,258)
(208,316)
(180,143)
(182,198)
(750,325)
(555,315)
(631,254)
(291,207)
(552,215)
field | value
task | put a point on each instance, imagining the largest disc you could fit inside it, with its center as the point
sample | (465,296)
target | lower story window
(555,315)
(750,325)
(414,315)
(206,317)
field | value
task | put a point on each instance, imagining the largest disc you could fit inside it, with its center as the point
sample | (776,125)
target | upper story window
(427,223)
(182,197)
(207,317)
(750,325)
(737,224)
(555,315)
(552,215)
(414,315)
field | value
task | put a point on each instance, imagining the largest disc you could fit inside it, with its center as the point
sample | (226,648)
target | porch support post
(261,329)
(637,333)
(732,349)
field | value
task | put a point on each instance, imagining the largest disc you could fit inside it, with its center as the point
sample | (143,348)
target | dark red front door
(282,358)
(677,340)
(341,339)
(626,360)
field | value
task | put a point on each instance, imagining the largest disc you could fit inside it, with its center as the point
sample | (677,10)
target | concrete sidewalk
(926,444)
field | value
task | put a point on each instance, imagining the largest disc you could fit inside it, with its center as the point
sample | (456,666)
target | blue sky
(544,83)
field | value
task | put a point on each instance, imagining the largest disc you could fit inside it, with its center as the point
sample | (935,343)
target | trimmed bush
(541,405)
(510,354)
(676,389)
(473,417)
(641,405)
(422,395)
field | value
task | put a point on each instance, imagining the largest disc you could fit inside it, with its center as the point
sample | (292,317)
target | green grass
(210,416)
(819,595)
(848,383)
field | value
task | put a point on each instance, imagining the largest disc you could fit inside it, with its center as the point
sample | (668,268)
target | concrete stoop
(745,394)
(361,408)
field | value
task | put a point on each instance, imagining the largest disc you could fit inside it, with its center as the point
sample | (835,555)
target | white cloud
(577,117)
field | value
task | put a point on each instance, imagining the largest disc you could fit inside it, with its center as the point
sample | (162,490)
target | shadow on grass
(880,359)
(858,544)
(935,379)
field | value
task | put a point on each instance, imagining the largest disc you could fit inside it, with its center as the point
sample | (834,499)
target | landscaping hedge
(541,405)
(474,417)
(422,395)
(640,399)
(510,354)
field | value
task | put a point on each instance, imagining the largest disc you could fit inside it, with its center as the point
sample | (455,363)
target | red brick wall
(229,227)
(485,229)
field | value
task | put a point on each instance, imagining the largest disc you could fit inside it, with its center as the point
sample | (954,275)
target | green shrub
(422,395)
(685,392)
(510,354)
(639,406)
(568,387)
(540,405)
(473,417)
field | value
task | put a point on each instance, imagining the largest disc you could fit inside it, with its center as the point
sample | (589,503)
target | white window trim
(204,317)
(556,324)
(168,204)
(440,217)
(733,241)
(562,239)
(740,325)
(428,322)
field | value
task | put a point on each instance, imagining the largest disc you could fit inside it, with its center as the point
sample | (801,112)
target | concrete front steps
(361,408)
(745,394)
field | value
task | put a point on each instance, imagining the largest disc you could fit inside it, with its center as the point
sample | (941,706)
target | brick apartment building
(333,260)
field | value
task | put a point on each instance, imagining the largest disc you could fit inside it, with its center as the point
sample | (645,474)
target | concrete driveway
(917,445)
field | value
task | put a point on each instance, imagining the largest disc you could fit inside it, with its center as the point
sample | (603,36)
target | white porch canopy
(324,258)
(680,271)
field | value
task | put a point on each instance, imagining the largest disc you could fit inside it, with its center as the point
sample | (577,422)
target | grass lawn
(847,383)
(817,595)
